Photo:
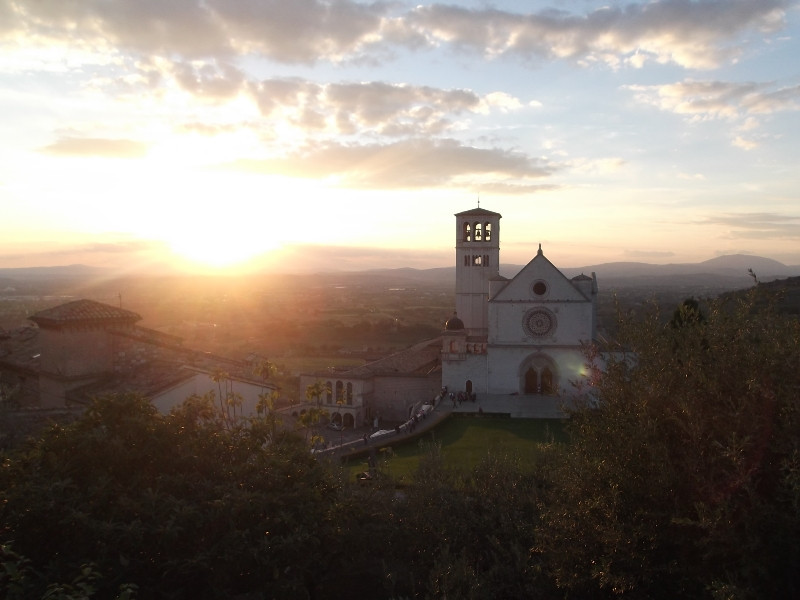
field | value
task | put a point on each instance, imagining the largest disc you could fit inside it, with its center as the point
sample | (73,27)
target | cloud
(744,144)
(411,163)
(700,34)
(185,27)
(66,254)
(301,31)
(690,34)
(213,80)
(374,108)
(735,102)
(703,100)
(602,166)
(102,147)
(512,189)
(787,98)
(757,226)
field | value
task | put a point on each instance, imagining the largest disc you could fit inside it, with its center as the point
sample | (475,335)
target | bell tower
(477,262)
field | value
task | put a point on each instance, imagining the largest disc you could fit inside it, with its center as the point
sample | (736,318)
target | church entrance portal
(531,381)
(539,381)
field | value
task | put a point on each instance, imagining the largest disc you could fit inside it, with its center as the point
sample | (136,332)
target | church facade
(523,335)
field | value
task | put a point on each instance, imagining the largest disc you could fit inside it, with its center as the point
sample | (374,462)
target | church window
(539,322)
(329,393)
(467,232)
(466,260)
(485,260)
(339,392)
(539,288)
(477,260)
(478,232)
(487,232)
(349,393)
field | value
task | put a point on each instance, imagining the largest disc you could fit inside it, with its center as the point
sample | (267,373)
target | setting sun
(218,248)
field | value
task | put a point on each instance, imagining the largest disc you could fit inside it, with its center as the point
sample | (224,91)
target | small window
(485,260)
(477,260)
(478,232)
(487,232)
(540,288)
(467,232)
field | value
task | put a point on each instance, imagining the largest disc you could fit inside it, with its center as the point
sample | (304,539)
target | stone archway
(538,375)
(349,421)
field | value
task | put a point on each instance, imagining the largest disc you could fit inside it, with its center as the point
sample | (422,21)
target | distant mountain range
(723,272)
(727,272)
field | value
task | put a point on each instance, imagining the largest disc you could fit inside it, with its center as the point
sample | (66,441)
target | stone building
(86,348)
(390,389)
(523,335)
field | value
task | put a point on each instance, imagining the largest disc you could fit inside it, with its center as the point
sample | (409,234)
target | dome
(454,323)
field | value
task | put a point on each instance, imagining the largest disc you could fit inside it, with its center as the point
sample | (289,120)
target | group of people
(460,397)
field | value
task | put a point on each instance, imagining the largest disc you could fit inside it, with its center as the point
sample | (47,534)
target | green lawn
(465,440)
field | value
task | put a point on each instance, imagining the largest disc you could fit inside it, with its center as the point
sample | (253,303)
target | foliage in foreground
(682,481)
(685,482)
(181,505)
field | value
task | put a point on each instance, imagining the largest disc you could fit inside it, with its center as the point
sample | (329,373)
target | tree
(220,377)
(265,408)
(182,505)
(683,481)
(314,391)
(264,369)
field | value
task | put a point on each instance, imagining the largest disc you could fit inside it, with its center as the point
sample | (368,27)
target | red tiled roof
(83,311)
(420,359)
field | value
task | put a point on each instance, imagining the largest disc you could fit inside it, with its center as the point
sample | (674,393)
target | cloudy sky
(343,134)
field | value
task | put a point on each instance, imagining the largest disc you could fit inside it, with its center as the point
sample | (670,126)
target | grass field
(465,441)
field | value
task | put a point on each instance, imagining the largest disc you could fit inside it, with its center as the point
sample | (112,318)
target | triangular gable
(539,269)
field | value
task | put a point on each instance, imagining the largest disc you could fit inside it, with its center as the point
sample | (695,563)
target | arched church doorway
(547,381)
(531,381)
(349,421)
(468,387)
(539,375)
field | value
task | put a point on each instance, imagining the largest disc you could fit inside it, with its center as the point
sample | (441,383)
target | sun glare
(220,248)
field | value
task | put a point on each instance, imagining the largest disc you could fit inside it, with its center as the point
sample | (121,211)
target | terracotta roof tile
(83,311)
(420,359)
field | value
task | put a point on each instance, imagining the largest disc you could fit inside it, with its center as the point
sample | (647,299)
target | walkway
(516,406)
(534,406)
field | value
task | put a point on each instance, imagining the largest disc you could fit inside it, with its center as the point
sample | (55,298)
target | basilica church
(523,335)
(519,336)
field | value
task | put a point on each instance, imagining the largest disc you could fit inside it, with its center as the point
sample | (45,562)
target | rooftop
(421,359)
(83,311)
